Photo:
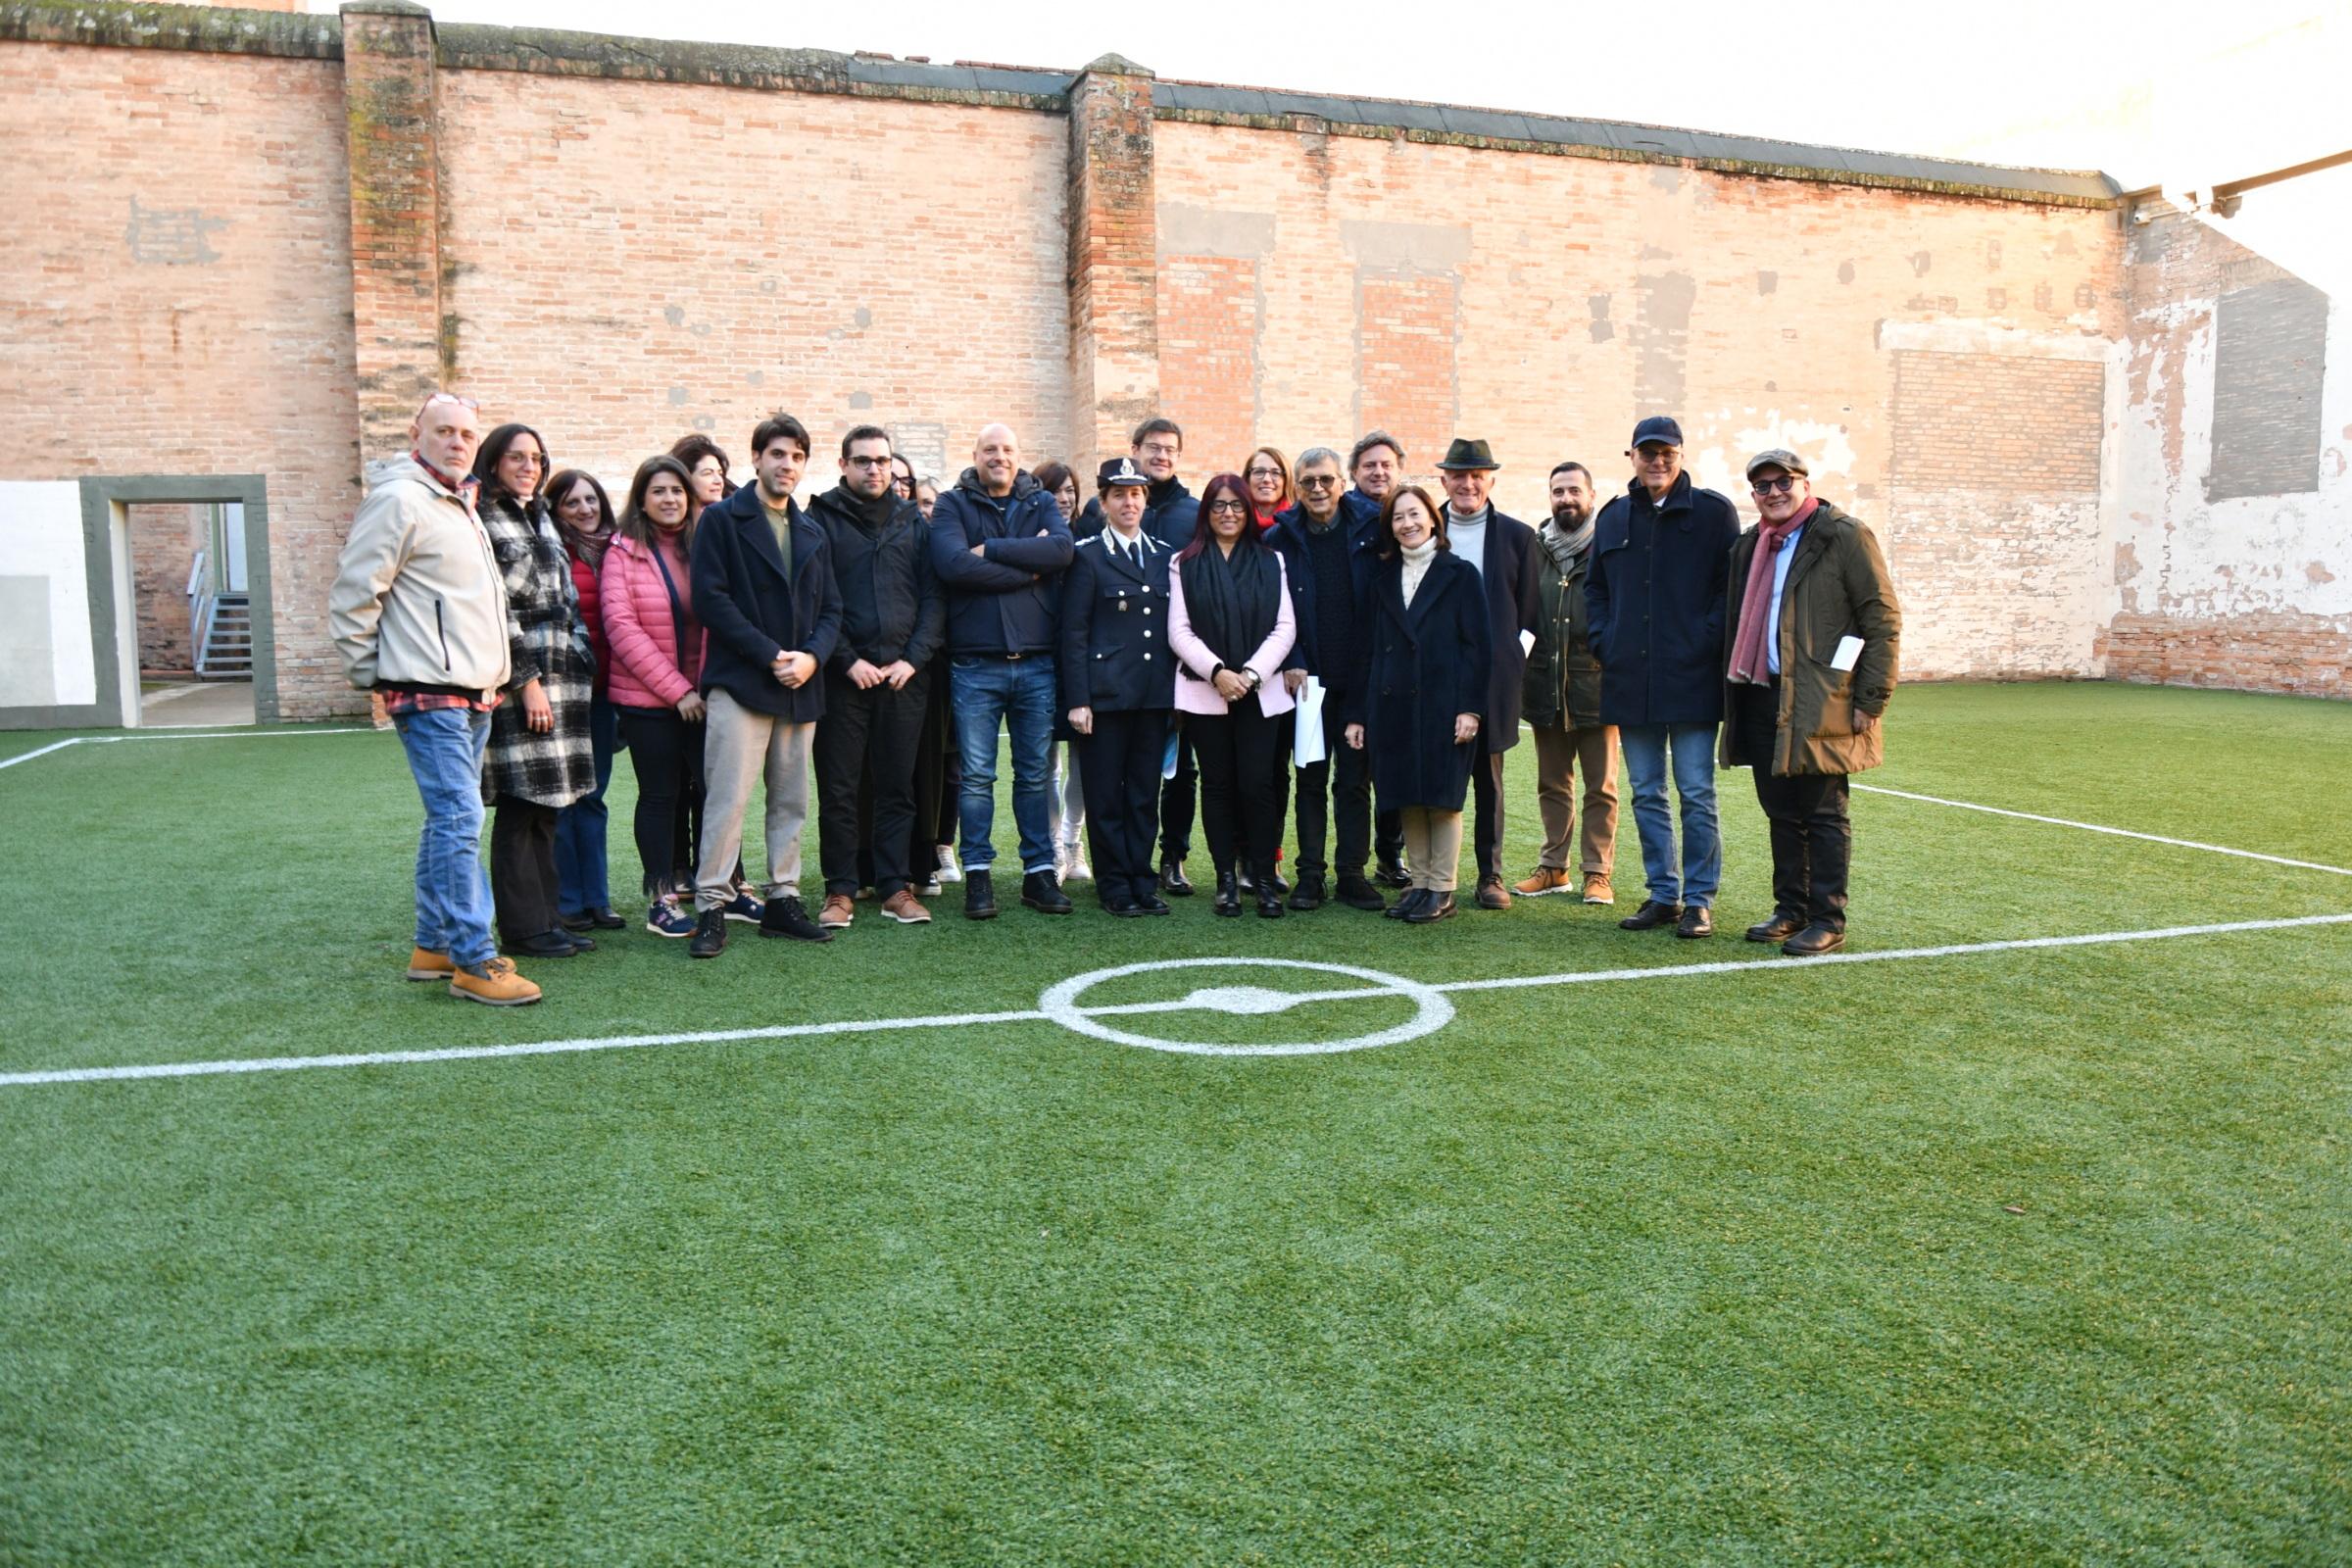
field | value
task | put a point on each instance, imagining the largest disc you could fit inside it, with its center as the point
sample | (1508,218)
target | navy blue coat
(1114,630)
(1006,601)
(1425,664)
(1171,515)
(1657,596)
(1514,604)
(1336,668)
(752,612)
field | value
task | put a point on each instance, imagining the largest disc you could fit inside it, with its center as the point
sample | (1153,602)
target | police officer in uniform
(1118,684)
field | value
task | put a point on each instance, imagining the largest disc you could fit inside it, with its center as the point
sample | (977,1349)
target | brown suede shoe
(839,910)
(426,964)
(1545,880)
(1598,889)
(494,983)
(906,909)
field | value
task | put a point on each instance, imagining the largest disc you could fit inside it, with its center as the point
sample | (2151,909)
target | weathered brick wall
(163,541)
(181,301)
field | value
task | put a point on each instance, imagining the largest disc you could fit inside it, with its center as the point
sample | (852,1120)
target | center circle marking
(1432,1009)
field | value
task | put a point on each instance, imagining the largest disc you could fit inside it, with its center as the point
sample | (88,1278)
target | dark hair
(1369,440)
(560,486)
(1559,468)
(897,462)
(1157,426)
(778,426)
(1052,476)
(635,525)
(863,433)
(1384,538)
(494,447)
(1229,485)
(588,548)
(690,449)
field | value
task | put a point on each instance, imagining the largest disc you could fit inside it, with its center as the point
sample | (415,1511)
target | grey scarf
(1565,548)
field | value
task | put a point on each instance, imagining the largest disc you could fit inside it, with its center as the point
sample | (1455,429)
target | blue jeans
(580,884)
(453,892)
(1693,756)
(1020,694)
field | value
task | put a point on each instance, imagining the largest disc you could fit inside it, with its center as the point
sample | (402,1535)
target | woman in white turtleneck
(1425,695)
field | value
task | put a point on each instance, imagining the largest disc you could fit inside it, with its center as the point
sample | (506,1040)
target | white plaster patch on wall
(1992,337)
(1822,445)
(40,537)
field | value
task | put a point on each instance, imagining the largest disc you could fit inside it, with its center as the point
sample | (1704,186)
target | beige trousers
(1433,847)
(1561,754)
(739,747)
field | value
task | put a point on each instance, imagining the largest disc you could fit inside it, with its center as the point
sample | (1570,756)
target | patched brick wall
(1208,379)
(1406,363)
(164,542)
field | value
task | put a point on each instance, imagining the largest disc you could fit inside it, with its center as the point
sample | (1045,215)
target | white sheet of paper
(1527,643)
(1306,747)
(1849,649)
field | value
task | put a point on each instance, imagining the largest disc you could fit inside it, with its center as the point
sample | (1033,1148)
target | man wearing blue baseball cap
(1661,558)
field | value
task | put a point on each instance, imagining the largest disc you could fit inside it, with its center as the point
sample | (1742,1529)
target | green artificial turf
(2023,1257)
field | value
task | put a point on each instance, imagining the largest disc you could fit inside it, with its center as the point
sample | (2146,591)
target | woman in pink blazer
(1229,624)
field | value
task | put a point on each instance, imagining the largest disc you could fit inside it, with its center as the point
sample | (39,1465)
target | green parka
(1838,587)
(1561,689)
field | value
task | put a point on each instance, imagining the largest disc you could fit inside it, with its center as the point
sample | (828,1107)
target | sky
(2057,84)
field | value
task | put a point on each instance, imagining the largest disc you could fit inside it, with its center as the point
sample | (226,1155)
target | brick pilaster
(394,147)
(1114,260)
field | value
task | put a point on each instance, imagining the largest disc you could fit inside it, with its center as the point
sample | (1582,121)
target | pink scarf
(1755,600)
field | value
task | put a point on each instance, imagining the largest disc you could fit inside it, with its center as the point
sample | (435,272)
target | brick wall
(163,541)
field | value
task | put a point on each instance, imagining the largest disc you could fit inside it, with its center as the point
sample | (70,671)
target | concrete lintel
(1419,247)
(1215,232)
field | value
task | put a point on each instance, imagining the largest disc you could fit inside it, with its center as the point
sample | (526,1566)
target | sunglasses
(1319,482)
(1774,487)
(452,397)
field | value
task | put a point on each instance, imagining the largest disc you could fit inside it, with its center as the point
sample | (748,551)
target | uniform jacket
(1562,689)
(750,611)
(643,631)
(1170,515)
(1115,652)
(1006,601)
(1512,606)
(1195,693)
(1655,597)
(909,617)
(1837,587)
(417,599)
(1426,662)
(546,642)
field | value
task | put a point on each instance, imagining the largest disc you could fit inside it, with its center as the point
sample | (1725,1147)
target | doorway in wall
(191,575)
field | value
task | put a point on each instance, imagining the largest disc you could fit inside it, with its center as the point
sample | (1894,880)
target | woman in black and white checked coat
(540,757)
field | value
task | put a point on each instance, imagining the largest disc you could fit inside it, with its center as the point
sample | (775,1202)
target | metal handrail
(200,601)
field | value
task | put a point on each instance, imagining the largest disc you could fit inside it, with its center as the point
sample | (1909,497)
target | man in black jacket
(1171,513)
(763,591)
(998,547)
(877,683)
(1504,549)
(1375,465)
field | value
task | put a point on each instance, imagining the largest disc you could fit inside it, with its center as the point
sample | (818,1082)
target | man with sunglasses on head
(419,614)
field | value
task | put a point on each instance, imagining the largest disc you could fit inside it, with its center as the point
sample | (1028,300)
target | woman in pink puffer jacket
(647,598)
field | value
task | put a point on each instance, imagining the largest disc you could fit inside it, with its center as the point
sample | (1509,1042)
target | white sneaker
(1073,864)
(949,870)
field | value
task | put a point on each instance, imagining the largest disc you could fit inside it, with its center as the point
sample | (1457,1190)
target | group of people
(1325,643)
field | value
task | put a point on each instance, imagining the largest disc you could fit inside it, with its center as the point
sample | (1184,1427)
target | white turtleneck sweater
(1417,565)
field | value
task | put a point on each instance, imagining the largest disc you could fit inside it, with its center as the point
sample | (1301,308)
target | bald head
(997,459)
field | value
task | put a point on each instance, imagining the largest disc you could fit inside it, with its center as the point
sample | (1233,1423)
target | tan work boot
(906,909)
(494,982)
(1598,889)
(426,964)
(1543,879)
(839,910)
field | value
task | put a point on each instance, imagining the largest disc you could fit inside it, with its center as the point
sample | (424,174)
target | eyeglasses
(518,454)
(1228,508)
(1319,482)
(869,463)
(1160,448)
(1781,486)
(1264,474)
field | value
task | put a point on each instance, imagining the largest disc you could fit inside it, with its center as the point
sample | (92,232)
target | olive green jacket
(1838,587)
(1561,689)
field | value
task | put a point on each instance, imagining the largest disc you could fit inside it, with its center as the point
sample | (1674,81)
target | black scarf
(1231,600)
(869,515)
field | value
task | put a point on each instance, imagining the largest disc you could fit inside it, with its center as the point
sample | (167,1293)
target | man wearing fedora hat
(1503,550)
(1661,556)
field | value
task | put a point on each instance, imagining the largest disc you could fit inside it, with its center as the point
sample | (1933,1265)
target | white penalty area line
(964,1020)
(2112,832)
(178,735)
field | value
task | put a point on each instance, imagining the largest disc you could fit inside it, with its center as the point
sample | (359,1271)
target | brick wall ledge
(202,30)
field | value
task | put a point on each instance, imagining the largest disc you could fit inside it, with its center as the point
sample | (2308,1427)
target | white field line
(545,1048)
(2114,832)
(208,735)
(26,756)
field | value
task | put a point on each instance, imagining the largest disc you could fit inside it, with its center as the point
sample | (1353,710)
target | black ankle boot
(1229,894)
(1269,890)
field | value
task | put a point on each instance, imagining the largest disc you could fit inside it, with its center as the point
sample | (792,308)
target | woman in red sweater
(583,899)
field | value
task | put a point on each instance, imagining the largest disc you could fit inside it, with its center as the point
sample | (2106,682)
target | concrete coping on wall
(135,24)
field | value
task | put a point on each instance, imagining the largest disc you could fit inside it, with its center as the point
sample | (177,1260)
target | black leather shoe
(1813,941)
(1148,899)
(602,918)
(1651,916)
(710,935)
(1695,922)
(1269,899)
(1433,908)
(979,896)
(1229,894)
(1123,906)
(786,916)
(1172,880)
(581,941)
(1779,928)
(1403,907)
(582,922)
(1393,875)
(546,945)
(1310,893)
(1358,894)
(1042,892)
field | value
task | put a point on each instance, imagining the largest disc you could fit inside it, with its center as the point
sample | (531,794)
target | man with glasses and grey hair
(1327,561)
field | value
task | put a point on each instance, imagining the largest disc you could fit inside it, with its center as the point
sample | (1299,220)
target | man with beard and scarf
(877,683)
(998,547)
(1561,699)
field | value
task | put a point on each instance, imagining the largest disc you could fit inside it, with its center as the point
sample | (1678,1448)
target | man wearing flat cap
(1661,553)
(1502,550)
(1812,636)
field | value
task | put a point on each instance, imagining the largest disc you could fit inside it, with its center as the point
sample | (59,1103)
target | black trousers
(1119,767)
(665,753)
(1812,840)
(522,867)
(1241,760)
(1486,792)
(1388,837)
(1176,797)
(1338,787)
(867,740)
(938,776)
